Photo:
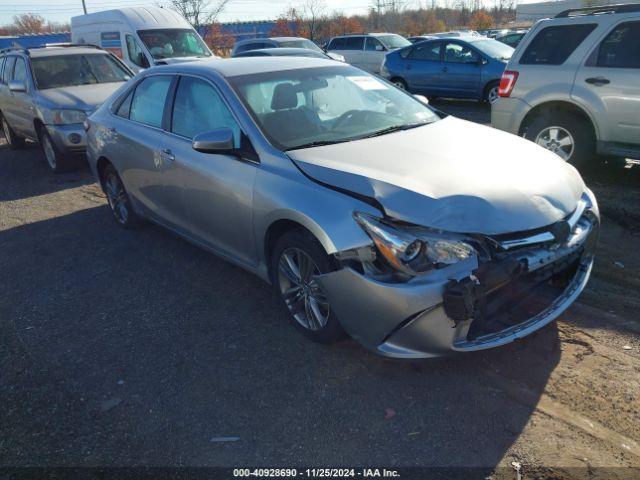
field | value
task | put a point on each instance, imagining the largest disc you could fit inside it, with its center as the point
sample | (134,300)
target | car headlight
(67,117)
(411,249)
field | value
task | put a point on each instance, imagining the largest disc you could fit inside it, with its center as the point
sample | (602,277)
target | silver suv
(46,93)
(573,85)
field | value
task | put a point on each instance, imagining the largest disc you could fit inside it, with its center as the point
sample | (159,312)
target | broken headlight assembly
(413,250)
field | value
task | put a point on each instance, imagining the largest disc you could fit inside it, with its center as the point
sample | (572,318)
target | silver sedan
(371,213)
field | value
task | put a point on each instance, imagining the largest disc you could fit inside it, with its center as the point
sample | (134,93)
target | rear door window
(553,45)
(427,51)
(149,99)
(621,48)
(353,43)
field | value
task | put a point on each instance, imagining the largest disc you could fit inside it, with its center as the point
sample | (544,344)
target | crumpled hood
(80,97)
(452,175)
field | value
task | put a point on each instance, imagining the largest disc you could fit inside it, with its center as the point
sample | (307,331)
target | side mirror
(219,140)
(422,99)
(17,86)
(142,60)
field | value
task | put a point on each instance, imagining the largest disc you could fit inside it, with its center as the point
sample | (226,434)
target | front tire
(567,135)
(400,83)
(57,162)
(296,259)
(14,141)
(118,199)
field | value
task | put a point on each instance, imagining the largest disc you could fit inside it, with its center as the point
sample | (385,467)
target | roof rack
(26,50)
(618,8)
(14,49)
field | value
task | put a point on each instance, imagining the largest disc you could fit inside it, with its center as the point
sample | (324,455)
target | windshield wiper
(317,143)
(394,128)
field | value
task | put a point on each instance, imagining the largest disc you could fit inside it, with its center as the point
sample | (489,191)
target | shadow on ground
(136,348)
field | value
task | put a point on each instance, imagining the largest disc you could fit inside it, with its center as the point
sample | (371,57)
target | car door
(423,68)
(610,78)
(7,96)
(21,109)
(461,70)
(139,145)
(216,190)
(354,51)
(373,54)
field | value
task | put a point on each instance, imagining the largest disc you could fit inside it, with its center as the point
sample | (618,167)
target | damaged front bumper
(469,305)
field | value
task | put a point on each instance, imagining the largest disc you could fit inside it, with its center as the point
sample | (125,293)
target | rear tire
(491,93)
(14,141)
(400,83)
(566,134)
(296,258)
(57,162)
(118,199)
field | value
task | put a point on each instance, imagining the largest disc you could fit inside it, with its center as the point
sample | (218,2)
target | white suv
(573,84)
(366,51)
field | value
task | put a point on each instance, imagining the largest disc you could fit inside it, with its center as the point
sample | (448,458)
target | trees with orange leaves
(282,28)
(29,23)
(481,20)
(220,42)
(344,26)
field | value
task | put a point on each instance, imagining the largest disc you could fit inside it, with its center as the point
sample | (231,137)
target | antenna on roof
(84,7)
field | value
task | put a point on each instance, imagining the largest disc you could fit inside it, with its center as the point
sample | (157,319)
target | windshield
(307,44)
(393,41)
(71,70)
(494,49)
(319,106)
(173,42)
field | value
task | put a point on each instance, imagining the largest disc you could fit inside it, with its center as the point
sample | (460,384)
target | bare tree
(199,13)
(314,16)
(28,23)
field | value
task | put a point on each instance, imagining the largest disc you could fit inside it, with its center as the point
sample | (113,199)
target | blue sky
(244,10)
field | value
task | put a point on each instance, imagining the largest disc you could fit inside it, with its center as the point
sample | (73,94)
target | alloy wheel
(49,153)
(493,96)
(399,84)
(300,291)
(117,198)
(557,139)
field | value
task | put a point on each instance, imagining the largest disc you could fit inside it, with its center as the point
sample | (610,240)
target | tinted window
(148,101)
(553,45)
(78,69)
(621,48)
(8,69)
(1,67)
(456,53)
(199,108)
(252,46)
(429,51)
(302,43)
(336,44)
(353,43)
(20,71)
(373,43)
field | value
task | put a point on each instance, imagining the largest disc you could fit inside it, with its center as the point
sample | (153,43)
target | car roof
(54,51)
(232,67)
(279,52)
(139,18)
(286,39)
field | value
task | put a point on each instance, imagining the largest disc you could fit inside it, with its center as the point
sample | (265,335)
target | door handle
(445,69)
(598,81)
(167,154)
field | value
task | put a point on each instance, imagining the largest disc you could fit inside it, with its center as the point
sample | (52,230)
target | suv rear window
(553,45)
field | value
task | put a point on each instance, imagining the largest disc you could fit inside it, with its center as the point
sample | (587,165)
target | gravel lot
(122,348)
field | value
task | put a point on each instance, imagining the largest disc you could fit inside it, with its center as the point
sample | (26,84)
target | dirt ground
(135,348)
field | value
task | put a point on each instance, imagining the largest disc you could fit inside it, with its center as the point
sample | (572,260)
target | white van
(141,36)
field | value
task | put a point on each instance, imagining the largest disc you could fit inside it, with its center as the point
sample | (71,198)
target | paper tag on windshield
(368,83)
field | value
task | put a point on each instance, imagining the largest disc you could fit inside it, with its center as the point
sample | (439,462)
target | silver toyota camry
(418,234)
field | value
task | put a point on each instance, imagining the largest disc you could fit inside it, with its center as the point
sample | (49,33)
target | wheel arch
(275,231)
(555,106)
(102,163)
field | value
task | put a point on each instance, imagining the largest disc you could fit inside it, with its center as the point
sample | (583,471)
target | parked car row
(371,213)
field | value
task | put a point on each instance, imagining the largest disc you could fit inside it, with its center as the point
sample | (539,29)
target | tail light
(507,82)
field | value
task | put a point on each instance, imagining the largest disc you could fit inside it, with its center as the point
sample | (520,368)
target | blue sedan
(468,67)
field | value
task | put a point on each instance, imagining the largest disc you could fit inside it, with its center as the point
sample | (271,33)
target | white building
(532,12)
